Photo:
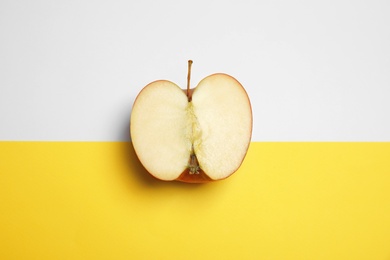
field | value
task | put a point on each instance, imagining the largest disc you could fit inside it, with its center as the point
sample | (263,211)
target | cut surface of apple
(199,137)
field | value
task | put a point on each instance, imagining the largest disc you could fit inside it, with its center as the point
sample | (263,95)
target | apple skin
(200,177)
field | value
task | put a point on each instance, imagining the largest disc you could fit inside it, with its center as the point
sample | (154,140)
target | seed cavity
(193,164)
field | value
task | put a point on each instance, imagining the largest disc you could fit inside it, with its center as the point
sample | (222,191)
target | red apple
(196,135)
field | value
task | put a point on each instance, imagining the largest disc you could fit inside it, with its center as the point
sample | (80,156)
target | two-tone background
(316,180)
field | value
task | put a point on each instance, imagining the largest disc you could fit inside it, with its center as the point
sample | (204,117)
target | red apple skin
(188,177)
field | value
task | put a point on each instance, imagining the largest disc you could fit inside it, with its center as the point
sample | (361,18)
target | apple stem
(188,79)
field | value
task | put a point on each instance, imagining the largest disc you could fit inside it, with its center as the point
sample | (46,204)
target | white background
(314,70)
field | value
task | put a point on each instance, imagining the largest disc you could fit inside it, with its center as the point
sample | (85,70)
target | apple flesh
(196,137)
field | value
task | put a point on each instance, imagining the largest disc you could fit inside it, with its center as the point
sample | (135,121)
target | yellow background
(93,200)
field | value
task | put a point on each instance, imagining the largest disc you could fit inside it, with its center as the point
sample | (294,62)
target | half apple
(196,135)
